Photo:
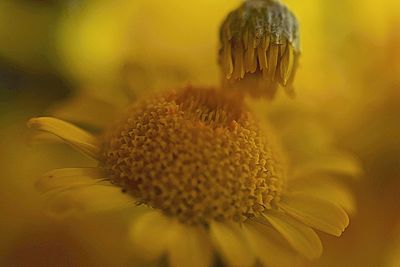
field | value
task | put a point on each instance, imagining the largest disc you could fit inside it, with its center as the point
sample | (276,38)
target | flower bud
(260,48)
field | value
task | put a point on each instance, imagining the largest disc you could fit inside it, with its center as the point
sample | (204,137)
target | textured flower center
(197,155)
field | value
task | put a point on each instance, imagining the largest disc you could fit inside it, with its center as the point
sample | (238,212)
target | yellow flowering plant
(211,177)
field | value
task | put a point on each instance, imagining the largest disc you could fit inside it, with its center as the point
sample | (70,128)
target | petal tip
(32,123)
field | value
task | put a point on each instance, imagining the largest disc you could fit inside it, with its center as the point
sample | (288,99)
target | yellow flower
(103,45)
(260,47)
(393,250)
(214,180)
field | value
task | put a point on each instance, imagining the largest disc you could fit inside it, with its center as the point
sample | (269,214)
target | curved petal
(230,243)
(315,212)
(326,188)
(72,135)
(188,246)
(149,234)
(269,247)
(68,178)
(43,138)
(301,237)
(338,164)
(87,198)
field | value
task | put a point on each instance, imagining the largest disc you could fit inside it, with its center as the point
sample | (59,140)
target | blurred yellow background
(349,77)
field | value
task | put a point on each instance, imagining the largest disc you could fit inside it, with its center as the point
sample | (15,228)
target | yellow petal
(269,246)
(91,198)
(188,246)
(289,88)
(250,57)
(227,60)
(246,38)
(301,237)
(43,137)
(68,177)
(229,241)
(316,212)
(282,47)
(266,41)
(326,188)
(72,135)
(238,65)
(262,59)
(338,164)
(286,65)
(273,54)
(149,234)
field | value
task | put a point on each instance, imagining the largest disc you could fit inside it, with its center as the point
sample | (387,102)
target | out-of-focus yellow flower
(28,236)
(383,15)
(140,45)
(179,38)
(26,28)
(356,96)
(393,250)
(366,120)
(212,177)
(93,41)
(369,124)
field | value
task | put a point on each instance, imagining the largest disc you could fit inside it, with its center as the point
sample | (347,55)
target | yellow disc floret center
(195,154)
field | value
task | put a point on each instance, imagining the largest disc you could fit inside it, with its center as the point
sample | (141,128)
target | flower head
(197,155)
(213,180)
(260,47)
